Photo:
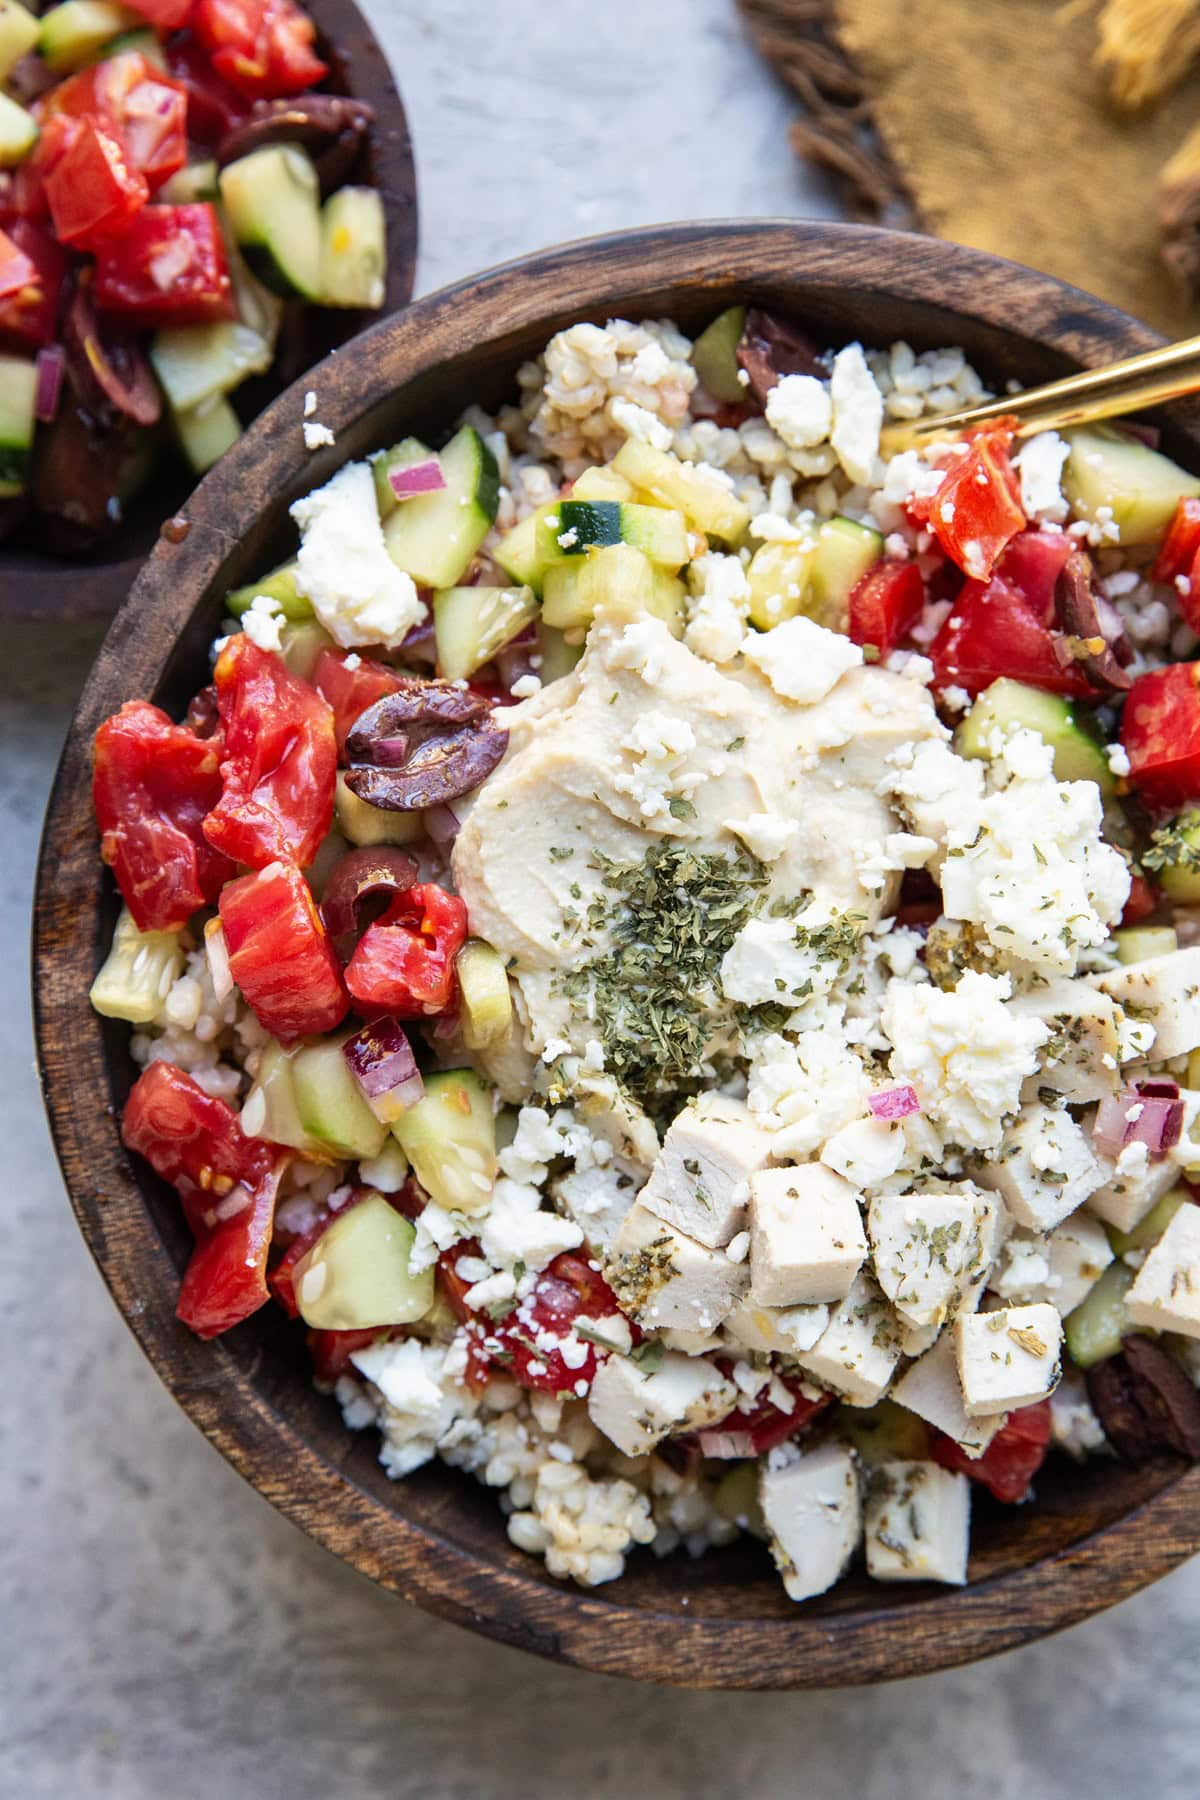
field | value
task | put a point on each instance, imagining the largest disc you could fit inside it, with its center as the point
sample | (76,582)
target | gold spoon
(1127,386)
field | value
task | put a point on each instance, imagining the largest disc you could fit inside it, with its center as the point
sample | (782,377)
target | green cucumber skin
(434,537)
(594,522)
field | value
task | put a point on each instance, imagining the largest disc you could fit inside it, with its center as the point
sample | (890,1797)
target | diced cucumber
(617,577)
(365,824)
(273,202)
(280,586)
(471,624)
(207,432)
(449,1137)
(582,525)
(1179,877)
(886,1432)
(487,1011)
(258,309)
(353,248)
(73,34)
(138,972)
(269,1110)
(845,551)
(1079,753)
(714,355)
(301,641)
(146,41)
(1150,1229)
(1135,943)
(435,536)
(197,181)
(19,32)
(704,499)
(558,656)
(195,363)
(521,552)
(736,1499)
(356,1275)
(18,391)
(18,132)
(1095,1329)
(602,483)
(330,1102)
(1140,487)
(400,456)
(778,577)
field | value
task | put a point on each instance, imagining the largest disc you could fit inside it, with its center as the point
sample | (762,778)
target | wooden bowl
(1094,1535)
(34,585)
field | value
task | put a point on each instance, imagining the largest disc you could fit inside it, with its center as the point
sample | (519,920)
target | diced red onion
(391,752)
(1150,435)
(894,1103)
(51,363)
(381,1060)
(418,478)
(217,952)
(420,644)
(442,824)
(1159,1087)
(726,1446)
(1135,1116)
(370,874)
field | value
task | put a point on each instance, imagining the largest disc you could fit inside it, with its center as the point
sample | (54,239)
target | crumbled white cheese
(317,436)
(800,409)
(516,1230)
(263,622)
(807,1090)
(857,414)
(357,592)
(720,598)
(1039,464)
(801,659)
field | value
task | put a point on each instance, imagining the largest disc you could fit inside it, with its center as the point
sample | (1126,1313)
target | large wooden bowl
(34,585)
(1094,1534)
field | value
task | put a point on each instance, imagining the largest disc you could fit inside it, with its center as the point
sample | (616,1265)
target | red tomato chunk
(885,604)
(992,630)
(350,691)
(152,785)
(768,1425)
(1011,1460)
(280,763)
(93,190)
(280,955)
(145,110)
(214,108)
(29,308)
(1160,729)
(168,267)
(168,15)
(263,48)
(404,963)
(976,510)
(566,1291)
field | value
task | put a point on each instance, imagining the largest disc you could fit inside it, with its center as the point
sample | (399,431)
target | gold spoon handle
(1120,387)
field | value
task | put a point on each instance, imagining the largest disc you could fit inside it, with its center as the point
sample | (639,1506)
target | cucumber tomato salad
(669,947)
(169,180)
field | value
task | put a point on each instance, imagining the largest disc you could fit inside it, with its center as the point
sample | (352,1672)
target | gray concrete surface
(162,1631)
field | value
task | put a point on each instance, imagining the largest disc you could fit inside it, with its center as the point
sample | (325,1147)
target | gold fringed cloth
(987,121)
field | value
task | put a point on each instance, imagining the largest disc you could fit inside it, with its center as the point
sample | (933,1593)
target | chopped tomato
(168,15)
(29,312)
(331,1350)
(454,1289)
(168,267)
(1143,900)
(566,1291)
(1160,729)
(145,109)
(991,631)
(226,1182)
(1032,565)
(279,953)
(25,187)
(976,510)
(351,691)
(1011,1460)
(264,48)
(280,763)
(93,189)
(1181,544)
(768,1425)
(885,603)
(404,963)
(214,108)
(152,784)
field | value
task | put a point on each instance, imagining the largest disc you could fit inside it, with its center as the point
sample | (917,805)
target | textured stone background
(163,1631)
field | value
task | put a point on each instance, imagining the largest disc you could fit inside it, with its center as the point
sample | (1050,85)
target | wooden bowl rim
(81,589)
(596,1629)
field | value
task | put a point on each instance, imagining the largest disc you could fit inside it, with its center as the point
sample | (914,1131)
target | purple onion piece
(726,1446)
(381,1060)
(418,478)
(1134,1117)
(111,375)
(442,823)
(894,1103)
(51,367)
(359,886)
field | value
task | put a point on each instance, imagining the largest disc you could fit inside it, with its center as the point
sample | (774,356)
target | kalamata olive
(1087,619)
(770,348)
(110,374)
(82,470)
(203,714)
(1145,1402)
(358,889)
(330,127)
(428,743)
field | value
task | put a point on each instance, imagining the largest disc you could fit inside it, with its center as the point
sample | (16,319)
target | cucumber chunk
(138,972)
(617,577)
(353,248)
(272,199)
(401,456)
(471,624)
(196,363)
(449,1137)
(18,132)
(330,1103)
(582,525)
(434,537)
(73,34)
(522,552)
(301,641)
(706,502)
(1095,1329)
(886,1432)
(207,432)
(1079,753)
(146,41)
(602,483)
(269,1109)
(736,1499)
(281,587)
(845,551)
(1135,943)
(1178,847)
(362,823)
(558,656)
(487,1010)
(714,355)
(1148,1230)
(18,391)
(779,579)
(1140,487)
(196,181)
(356,1275)
(19,32)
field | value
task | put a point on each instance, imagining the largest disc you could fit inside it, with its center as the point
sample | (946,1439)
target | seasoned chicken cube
(635,1408)
(666,1279)
(917,1523)
(1081,1060)
(1130,1186)
(700,1181)
(814,1515)
(1062,1268)
(1008,1358)
(806,1237)
(857,1353)
(1045,1170)
(785,1330)
(931,1389)
(1165,992)
(1166,1294)
(928,1248)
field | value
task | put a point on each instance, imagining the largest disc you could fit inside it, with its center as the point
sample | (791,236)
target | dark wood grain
(34,585)
(1095,1534)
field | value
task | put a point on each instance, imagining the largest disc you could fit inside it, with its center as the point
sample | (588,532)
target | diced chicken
(1164,991)
(667,1279)
(931,1389)
(814,1515)
(1081,1059)
(1008,1358)
(1166,1294)
(806,1237)
(1046,1169)
(857,1353)
(1130,1186)
(917,1523)
(782,1330)
(1061,1268)
(635,1409)
(929,1247)
(700,1181)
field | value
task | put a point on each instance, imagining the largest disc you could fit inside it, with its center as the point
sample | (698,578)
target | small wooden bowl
(34,585)
(1094,1535)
